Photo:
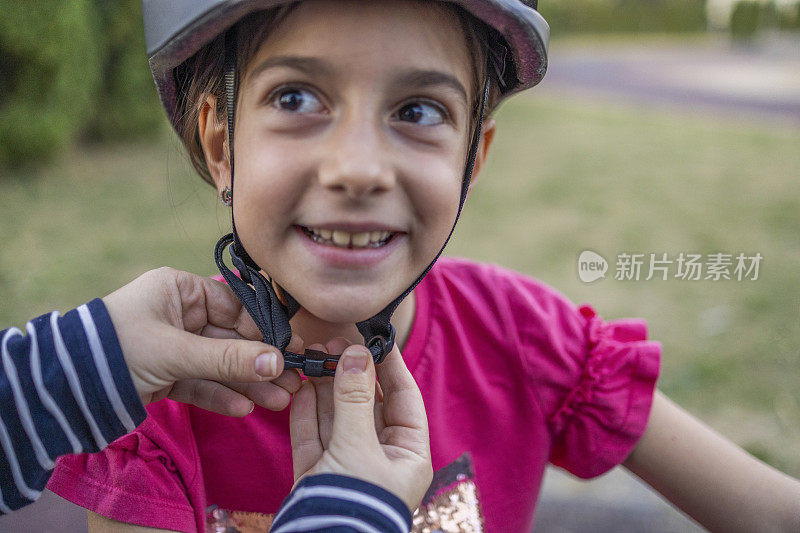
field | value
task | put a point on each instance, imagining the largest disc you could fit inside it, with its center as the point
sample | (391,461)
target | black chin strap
(257,293)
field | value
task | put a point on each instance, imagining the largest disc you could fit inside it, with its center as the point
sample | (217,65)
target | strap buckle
(313,363)
(380,346)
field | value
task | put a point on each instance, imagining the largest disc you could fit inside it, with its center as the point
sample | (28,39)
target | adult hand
(337,426)
(183,337)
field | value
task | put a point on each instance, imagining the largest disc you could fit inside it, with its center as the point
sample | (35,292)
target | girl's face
(351,140)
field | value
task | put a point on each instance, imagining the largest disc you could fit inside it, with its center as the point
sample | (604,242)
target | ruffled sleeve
(605,411)
(148,477)
(591,381)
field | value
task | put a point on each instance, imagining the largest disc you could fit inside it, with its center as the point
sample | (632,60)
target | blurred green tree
(48,76)
(745,20)
(789,17)
(72,69)
(127,105)
(606,16)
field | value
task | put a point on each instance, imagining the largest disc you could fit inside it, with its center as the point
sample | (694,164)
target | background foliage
(48,75)
(127,103)
(625,15)
(68,70)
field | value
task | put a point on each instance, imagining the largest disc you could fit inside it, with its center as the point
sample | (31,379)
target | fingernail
(252,406)
(354,360)
(267,364)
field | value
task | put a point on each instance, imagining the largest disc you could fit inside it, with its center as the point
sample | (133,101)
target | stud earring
(226,195)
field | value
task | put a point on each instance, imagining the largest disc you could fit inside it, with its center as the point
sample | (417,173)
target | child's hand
(183,337)
(337,426)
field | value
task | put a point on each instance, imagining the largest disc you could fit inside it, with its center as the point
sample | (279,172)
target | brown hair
(202,75)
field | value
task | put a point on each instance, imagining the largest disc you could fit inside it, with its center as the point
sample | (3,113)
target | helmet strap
(257,293)
(231,90)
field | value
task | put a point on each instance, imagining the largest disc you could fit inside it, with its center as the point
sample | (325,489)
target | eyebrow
(315,66)
(307,65)
(430,78)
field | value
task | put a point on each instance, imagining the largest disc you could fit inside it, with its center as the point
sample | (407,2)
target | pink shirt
(510,371)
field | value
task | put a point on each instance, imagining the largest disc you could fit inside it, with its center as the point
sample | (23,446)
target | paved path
(712,75)
(617,502)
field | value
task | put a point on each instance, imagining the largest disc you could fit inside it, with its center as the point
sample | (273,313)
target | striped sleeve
(64,388)
(336,503)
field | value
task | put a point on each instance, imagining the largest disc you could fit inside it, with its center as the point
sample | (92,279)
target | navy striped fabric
(336,503)
(64,388)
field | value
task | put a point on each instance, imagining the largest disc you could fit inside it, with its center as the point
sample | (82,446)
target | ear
(487,136)
(214,139)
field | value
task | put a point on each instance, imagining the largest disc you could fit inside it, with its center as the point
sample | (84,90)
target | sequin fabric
(224,521)
(456,509)
(451,503)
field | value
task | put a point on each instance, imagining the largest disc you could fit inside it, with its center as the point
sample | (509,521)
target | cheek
(435,197)
(266,189)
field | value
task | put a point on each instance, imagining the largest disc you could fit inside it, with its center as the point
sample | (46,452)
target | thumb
(226,359)
(354,398)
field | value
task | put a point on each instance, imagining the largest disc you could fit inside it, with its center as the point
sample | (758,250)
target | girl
(353,121)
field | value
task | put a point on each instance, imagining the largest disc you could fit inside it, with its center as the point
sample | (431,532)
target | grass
(564,176)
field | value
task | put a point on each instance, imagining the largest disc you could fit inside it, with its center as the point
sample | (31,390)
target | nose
(355,161)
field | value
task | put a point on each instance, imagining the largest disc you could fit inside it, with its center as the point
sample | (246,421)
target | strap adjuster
(380,346)
(313,363)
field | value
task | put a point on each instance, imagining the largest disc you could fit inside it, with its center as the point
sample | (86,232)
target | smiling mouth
(346,239)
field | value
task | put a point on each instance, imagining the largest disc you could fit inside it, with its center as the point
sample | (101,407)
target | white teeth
(360,239)
(346,239)
(342,238)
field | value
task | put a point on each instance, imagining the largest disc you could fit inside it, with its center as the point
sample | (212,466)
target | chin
(338,308)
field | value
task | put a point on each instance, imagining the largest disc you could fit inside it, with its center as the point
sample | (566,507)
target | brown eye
(421,113)
(296,100)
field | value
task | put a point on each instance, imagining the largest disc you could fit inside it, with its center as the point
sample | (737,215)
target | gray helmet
(177,29)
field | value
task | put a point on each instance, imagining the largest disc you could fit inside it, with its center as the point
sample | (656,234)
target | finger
(393,372)
(246,327)
(317,346)
(378,412)
(378,408)
(324,389)
(295,344)
(222,359)
(215,332)
(304,430)
(289,380)
(211,396)
(265,394)
(402,402)
(274,395)
(337,345)
(354,398)
(206,301)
